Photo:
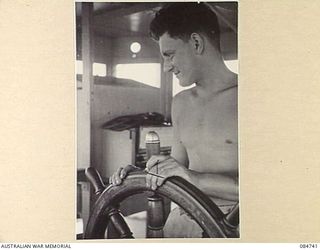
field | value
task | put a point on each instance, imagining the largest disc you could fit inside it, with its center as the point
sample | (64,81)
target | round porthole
(135,47)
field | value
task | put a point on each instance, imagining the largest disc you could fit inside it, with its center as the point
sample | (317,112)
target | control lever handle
(95,179)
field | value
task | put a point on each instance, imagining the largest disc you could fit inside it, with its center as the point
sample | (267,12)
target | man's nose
(167,66)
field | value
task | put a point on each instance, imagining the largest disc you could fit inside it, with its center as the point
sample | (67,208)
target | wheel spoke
(119,223)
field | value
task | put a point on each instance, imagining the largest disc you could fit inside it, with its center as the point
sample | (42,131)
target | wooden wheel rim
(188,197)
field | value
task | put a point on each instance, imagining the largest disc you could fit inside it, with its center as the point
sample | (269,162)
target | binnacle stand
(209,217)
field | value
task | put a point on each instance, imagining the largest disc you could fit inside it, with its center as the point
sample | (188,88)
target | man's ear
(197,42)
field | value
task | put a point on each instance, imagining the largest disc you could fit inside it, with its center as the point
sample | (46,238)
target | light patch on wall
(147,73)
(98,69)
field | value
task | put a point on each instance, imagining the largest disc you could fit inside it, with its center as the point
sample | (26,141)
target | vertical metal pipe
(155,212)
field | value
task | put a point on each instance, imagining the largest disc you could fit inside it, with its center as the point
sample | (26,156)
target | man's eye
(168,56)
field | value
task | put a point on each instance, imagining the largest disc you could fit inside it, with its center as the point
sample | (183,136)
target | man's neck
(216,78)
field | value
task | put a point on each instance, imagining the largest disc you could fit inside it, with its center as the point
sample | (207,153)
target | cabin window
(79,67)
(232,65)
(176,88)
(98,69)
(147,73)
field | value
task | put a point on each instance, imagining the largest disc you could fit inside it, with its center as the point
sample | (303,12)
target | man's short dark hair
(180,20)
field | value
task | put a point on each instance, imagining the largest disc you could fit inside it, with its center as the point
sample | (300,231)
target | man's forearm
(215,185)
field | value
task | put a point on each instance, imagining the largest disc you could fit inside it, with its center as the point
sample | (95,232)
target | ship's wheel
(105,211)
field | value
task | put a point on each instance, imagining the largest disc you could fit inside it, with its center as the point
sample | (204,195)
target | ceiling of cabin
(114,19)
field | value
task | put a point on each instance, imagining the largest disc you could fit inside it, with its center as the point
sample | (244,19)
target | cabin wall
(111,101)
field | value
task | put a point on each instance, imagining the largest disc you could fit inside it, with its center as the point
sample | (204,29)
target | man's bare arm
(217,185)
(222,186)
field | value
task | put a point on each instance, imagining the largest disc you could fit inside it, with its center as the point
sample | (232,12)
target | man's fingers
(118,171)
(148,180)
(160,181)
(124,172)
(167,171)
(112,180)
(155,168)
(127,169)
(120,174)
(156,159)
(159,168)
(153,182)
(117,178)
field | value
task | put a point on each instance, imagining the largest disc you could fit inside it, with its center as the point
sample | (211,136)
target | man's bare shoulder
(180,102)
(183,97)
(229,97)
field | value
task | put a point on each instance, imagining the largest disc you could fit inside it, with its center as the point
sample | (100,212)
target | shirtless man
(205,148)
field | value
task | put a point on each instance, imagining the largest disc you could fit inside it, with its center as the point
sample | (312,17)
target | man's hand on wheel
(117,177)
(160,167)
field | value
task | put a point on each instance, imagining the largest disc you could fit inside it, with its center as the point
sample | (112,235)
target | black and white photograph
(157,120)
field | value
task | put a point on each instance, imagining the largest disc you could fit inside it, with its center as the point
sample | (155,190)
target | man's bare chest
(212,123)
(210,135)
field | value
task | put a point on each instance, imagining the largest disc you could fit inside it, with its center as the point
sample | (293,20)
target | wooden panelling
(84,98)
